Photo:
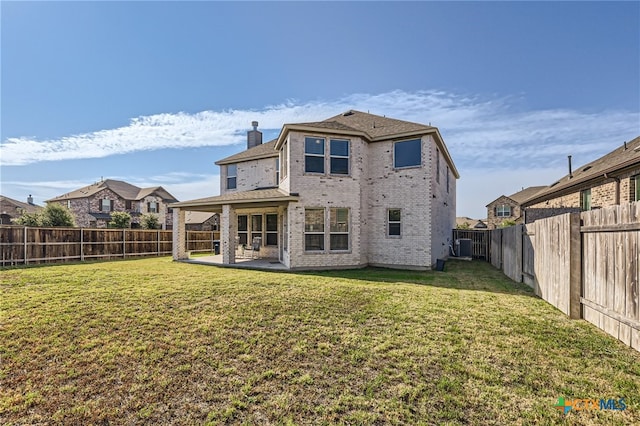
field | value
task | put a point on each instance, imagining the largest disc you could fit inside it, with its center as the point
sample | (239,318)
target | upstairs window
(438,165)
(232,176)
(339,156)
(447,179)
(407,154)
(394,223)
(314,155)
(127,204)
(106,205)
(153,207)
(635,180)
(277,171)
(503,210)
(284,155)
(585,199)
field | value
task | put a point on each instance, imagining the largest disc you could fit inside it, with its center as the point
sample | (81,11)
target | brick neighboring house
(92,205)
(509,207)
(610,180)
(353,190)
(13,209)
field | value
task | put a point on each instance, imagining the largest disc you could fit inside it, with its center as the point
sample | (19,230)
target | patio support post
(179,235)
(228,232)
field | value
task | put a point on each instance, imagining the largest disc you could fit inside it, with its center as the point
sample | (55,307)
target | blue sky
(154,92)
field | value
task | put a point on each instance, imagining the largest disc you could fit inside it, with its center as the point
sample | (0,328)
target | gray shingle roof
(123,189)
(521,196)
(617,159)
(253,196)
(264,150)
(29,208)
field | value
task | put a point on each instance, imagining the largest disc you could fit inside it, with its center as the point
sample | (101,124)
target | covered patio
(253,228)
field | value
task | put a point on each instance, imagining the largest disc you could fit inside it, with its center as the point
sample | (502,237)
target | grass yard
(156,342)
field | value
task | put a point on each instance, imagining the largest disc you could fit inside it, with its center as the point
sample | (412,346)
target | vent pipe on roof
(570,171)
(625,145)
(30,199)
(254,137)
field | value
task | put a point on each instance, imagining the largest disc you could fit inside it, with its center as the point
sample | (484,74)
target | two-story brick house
(353,190)
(509,207)
(12,209)
(92,205)
(612,179)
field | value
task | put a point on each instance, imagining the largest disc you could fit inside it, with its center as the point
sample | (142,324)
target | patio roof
(253,198)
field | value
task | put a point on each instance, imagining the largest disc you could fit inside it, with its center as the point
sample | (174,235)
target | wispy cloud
(488,132)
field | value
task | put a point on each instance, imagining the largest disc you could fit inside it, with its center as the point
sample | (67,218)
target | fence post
(158,254)
(25,245)
(575,267)
(124,243)
(82,244)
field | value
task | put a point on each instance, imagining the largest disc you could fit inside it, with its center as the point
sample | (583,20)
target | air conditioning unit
(463,247)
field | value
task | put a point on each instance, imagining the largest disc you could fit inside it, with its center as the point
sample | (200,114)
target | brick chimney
(254,137)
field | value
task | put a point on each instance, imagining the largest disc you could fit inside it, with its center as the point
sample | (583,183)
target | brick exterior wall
(494,221)
(83,207)
(371,188)
(604,192)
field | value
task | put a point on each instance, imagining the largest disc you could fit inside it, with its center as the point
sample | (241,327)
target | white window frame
(284,154)
(347,157)
(106,208)
(314,231)
(500,210)
(323,155)
(389,222)
(277,171)
(636,193)
(437,165)
(233,176)
(347,231)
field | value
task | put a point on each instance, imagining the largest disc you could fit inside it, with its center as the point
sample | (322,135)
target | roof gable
(123,189)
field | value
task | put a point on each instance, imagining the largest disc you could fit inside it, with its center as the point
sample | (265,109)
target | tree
(150,221)
(29,219)
(507,222)
(57,215)
(120,220)
(464,225)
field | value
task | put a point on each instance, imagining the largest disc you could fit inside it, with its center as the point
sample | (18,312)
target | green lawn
(157,342)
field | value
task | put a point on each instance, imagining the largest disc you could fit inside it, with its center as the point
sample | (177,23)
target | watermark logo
(567,405)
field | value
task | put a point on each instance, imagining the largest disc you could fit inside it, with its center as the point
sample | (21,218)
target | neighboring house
(356,189)
(610,180)
(13,209)
(202,221)
(468,223)
(92,205)
(509,208)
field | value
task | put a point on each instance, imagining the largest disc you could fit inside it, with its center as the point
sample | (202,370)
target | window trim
(268,232)
(347,157)
(411,166)
(347,232)
(438,167)
(232,176)
(323,155)
(636,181)
(389,222)
(500,208)
(585,200)
(321,250)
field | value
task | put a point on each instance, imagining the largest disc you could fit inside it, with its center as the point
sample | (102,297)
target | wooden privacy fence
(23,245)
(585,264)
